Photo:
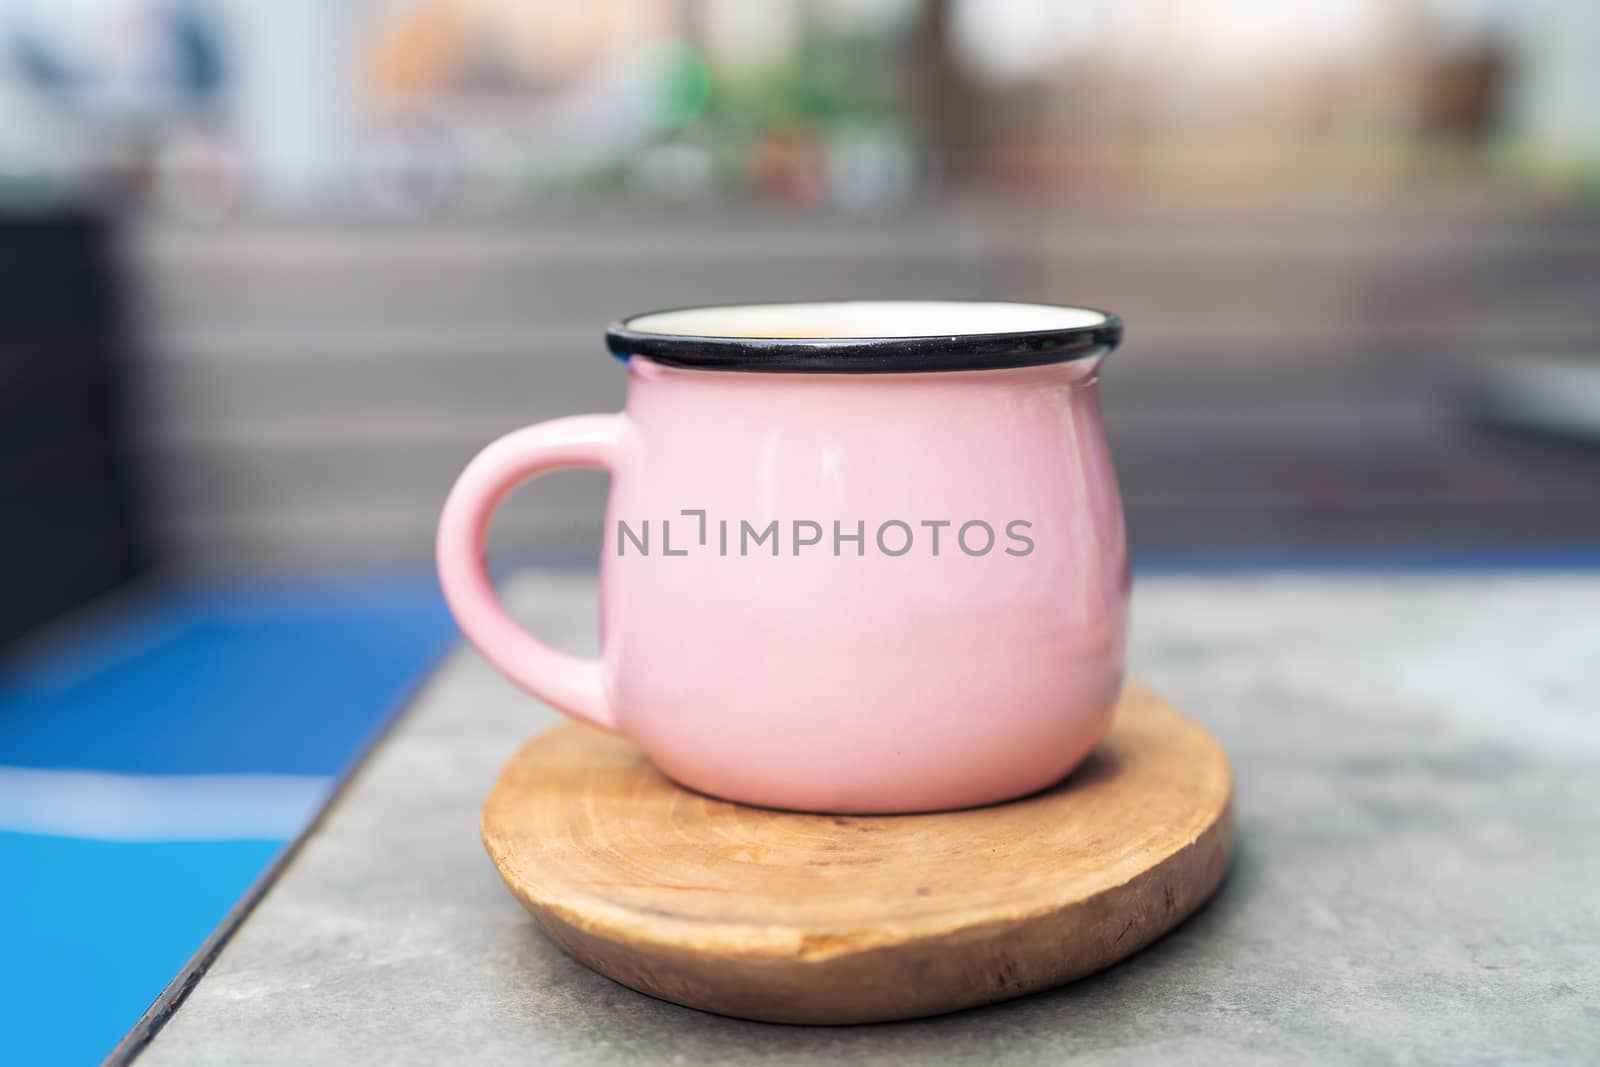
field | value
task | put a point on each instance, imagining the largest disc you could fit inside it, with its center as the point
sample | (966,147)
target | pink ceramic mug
(858,556)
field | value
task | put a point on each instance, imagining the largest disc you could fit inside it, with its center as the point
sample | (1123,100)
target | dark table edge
(161,1010)
(1579,557)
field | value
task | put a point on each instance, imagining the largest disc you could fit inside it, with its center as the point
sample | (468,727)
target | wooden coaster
(830,919)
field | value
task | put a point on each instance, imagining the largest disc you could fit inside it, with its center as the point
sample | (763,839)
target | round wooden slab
(831,919)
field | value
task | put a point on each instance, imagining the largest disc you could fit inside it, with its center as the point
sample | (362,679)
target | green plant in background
(829,120)
(829,78)
(668,84)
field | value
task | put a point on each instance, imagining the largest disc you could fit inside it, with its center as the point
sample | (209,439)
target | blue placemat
(153,762)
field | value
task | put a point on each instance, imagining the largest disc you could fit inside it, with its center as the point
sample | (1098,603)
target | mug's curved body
(851,592)
(956,638)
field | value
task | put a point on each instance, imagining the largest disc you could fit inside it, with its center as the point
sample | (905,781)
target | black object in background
(68,529)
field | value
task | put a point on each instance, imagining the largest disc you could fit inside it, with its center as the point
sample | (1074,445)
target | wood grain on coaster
(799,918)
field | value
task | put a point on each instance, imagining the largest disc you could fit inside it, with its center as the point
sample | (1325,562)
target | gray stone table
(1417,880)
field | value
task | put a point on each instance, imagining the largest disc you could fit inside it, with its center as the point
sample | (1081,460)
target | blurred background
(326,250)
(271,272)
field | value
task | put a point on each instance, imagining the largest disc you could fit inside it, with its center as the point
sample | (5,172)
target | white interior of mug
(862,319)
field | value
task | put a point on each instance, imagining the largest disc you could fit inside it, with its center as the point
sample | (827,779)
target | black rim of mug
(867,355)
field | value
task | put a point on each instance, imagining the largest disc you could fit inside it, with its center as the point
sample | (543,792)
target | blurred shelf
(310,389)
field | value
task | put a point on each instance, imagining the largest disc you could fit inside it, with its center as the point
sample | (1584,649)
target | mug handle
(570,684)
